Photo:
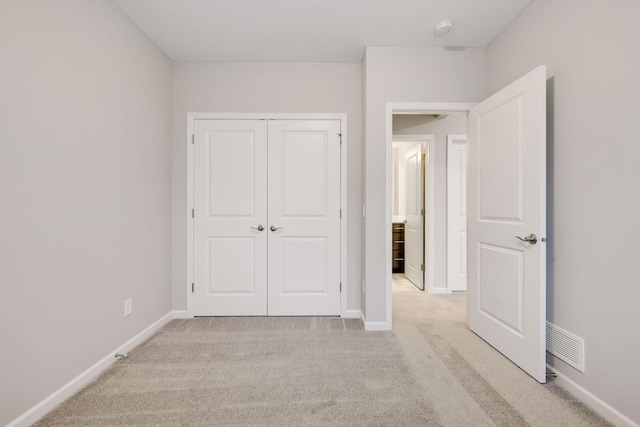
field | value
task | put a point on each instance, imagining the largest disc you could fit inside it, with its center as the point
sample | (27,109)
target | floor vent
(565,346)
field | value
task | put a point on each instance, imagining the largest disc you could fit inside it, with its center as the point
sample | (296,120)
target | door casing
(191,117)
(414,108)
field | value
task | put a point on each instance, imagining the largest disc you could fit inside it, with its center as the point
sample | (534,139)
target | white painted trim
(343,219)
(404,107)
(180,314)
(79,382)
(191,117)
(430,107)
(373,326)
(190,222)
(598,405)
(351,314)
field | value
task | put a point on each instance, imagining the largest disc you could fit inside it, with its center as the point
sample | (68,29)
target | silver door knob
(531,238)
(259,228)
(274,228)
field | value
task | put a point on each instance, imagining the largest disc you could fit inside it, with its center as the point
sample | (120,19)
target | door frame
(414,108)
(191,117)
(427,203)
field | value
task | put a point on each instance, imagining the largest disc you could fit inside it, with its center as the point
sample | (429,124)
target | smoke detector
(443,28)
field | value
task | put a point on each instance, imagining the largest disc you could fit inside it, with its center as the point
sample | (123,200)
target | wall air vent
(565,346)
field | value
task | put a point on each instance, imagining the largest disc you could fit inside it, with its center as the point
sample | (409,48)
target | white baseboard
(374,326)
(439,291)
(351,314)
(76,384)
(180,314)
(598,405)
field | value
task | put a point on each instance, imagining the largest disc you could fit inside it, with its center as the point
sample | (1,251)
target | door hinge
(192,287)
(340,286)
(422,267)
(340,213)
(340,135)
(193,138)
(193,213)
(422,211)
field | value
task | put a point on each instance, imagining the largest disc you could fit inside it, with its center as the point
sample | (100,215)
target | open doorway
(441,139)
(411,169)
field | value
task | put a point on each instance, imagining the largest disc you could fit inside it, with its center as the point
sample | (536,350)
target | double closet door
(266,217)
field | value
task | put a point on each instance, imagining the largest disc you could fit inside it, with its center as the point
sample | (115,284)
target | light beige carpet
(430,371)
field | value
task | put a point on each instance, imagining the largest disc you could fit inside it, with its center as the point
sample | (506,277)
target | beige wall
(454,124)
(224,87)
(403,75)
(85,173)
(593,67)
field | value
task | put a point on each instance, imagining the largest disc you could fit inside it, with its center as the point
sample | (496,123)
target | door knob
(531,238)
(259,228)
(274,228)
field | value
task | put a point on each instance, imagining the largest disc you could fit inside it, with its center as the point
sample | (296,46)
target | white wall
(403,75)
(454,124)
(593,66)
(85,184)
(267,88)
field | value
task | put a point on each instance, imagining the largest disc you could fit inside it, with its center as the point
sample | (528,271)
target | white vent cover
(565,346)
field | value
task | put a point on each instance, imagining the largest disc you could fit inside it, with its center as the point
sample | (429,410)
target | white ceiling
(311,30)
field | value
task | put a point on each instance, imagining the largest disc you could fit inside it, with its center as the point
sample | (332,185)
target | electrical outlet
(128,307)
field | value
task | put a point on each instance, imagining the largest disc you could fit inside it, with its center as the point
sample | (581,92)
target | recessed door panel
(231,265)
(499,146)
(501,270)
(231,168)
(305,265)
(304,164)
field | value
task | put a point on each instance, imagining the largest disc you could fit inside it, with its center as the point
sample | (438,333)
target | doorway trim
(428,202)
(411,108)
(191,117)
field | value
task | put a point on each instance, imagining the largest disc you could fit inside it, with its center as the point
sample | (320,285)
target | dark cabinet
(397,261)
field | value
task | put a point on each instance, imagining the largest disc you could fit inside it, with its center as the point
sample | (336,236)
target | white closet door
(230,200)
(304,217)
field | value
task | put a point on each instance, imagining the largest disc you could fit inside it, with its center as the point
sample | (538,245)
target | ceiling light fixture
(443,28)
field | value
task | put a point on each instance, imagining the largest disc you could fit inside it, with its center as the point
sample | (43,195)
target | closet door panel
(304,217)
(230,201)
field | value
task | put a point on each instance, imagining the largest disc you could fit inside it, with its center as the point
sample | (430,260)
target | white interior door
(414,227)
(457,212)
(304,217)
(507,203)
(230,201)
